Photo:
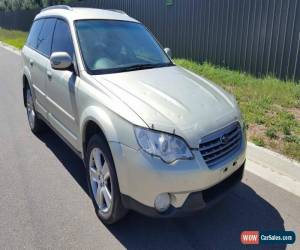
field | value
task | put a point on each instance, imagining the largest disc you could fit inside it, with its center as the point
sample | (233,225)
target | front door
(60,87)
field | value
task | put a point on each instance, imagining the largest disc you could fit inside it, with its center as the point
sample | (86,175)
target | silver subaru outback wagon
(154,137)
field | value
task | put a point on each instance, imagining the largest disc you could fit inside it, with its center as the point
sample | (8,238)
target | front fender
(114,127)
(101,118)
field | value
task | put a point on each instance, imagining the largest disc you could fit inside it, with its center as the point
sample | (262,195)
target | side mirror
(168,52)
(61,61)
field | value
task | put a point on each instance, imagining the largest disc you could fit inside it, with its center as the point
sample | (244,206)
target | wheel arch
(25,85)
(91,128)
(94,121)
(26,79)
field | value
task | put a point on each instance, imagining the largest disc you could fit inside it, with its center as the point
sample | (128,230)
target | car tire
(103,182)
(36,125)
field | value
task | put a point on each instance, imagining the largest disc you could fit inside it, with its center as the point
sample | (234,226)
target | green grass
(13,37)
(271,133)
(258,141)
(268,104)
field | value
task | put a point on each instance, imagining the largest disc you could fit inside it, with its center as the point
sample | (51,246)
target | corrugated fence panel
(257,36)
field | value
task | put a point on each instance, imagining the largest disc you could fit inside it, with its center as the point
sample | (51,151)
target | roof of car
(73,14)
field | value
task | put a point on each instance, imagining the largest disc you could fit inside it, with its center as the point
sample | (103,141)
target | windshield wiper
(144,66)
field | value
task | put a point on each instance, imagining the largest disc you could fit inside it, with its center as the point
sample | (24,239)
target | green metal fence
(257,36)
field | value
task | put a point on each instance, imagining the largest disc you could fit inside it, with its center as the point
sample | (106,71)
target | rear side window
(45,37)
(34,33)
(62,40)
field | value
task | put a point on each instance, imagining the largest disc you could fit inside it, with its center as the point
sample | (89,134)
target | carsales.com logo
(267,237)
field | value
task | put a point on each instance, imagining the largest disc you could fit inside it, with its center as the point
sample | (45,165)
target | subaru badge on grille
(224,139)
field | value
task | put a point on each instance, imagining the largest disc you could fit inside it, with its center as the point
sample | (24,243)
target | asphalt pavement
(45,204)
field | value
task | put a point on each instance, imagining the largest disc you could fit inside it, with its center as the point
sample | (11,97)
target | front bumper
(142,177)
(195,202)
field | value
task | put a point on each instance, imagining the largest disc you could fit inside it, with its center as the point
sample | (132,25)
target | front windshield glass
(118,46)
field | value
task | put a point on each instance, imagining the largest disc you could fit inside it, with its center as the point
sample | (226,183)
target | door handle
(31,62)
(49,74)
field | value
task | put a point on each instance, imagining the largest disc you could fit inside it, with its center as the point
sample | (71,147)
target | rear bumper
(196,201)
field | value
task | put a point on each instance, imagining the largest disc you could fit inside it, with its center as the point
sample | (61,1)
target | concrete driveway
(45,204)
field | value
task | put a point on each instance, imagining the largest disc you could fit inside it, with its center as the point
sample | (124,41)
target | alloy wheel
(100,180)
(30,109)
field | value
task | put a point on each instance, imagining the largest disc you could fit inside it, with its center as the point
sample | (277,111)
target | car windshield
(109,46)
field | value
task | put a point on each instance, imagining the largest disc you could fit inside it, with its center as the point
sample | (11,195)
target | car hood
(174,100)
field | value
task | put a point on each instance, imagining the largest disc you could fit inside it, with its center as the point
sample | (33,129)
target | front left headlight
(166,146)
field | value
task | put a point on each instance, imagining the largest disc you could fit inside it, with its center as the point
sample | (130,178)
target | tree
(12,5)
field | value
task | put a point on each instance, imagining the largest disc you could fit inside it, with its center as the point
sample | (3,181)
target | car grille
(218,146)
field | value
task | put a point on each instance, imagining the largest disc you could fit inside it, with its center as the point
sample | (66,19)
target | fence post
(297,55)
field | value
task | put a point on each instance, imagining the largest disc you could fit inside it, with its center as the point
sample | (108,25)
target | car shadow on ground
(216,228)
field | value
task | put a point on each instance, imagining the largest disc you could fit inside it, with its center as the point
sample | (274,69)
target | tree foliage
(11,5)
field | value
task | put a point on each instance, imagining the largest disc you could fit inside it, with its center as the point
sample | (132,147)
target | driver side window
(62,40)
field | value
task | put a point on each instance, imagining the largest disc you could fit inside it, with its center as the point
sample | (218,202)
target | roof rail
(119,11)
(62,7)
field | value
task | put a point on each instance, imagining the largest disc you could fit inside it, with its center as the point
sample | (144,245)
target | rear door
(39,60)
(61,85)
(30,54)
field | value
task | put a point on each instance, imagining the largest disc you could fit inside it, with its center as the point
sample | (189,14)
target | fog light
(162,202)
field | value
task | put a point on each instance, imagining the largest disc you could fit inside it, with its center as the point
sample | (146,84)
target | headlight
(166,146)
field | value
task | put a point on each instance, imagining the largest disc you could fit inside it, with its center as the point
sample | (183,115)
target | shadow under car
(216,228)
